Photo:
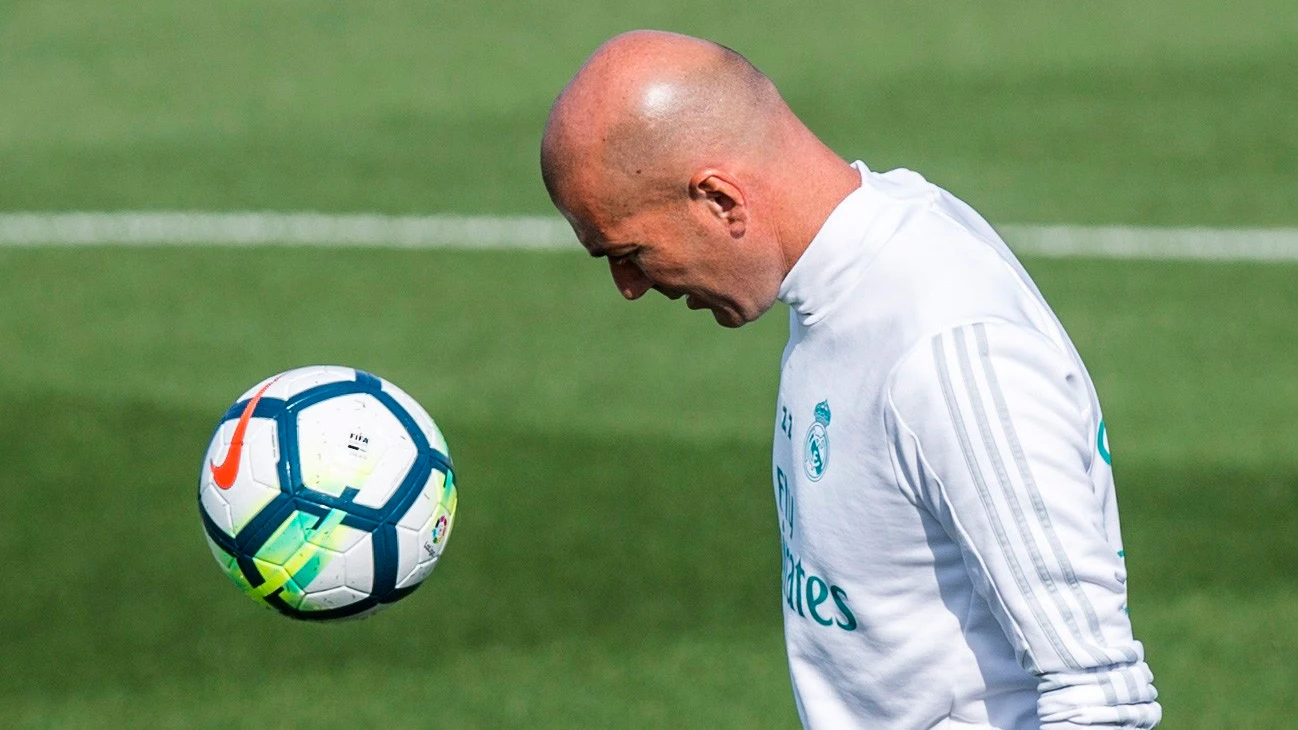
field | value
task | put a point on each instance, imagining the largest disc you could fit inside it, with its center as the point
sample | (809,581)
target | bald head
(679,161)
(648,105)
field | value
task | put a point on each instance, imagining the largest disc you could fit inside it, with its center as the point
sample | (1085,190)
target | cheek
(699,253)
(688,267)
(688,255)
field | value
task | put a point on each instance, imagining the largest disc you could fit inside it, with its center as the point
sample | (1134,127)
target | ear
(721,199)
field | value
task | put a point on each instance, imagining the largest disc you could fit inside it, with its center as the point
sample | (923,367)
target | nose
(629,279)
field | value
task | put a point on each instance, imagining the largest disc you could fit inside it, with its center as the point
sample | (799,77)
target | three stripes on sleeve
(1003,418)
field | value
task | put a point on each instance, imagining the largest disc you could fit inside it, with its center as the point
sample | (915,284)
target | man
(950,534)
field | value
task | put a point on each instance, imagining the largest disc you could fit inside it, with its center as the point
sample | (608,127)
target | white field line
(552,233)
(295,229)
(1124,242)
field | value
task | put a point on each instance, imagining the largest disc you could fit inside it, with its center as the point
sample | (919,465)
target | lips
(691,301)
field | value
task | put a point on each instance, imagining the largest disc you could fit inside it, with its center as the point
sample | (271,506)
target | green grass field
(1130,111)
(616,562)
(616,559)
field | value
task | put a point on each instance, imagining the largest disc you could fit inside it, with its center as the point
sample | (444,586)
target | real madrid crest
(815,456)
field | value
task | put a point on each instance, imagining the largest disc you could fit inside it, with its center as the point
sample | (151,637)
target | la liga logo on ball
(815,457)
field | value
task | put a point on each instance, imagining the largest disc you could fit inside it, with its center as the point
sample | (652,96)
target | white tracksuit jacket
(947,515)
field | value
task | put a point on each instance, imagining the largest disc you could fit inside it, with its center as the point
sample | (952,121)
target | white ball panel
(424,421)
(388,473)
(261,451)
(408,552)
(336,545)
(332,598)
(332,575)
(414,534)
(418,555)
(359,561)
(422,538)
(353,441)
(215,506)
(418,574)
(417,516)
(423,570)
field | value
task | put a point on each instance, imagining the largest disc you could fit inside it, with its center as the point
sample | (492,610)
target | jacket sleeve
(992,432)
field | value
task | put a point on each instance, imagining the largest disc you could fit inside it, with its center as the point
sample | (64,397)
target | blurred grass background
(616,562)
(1142,111)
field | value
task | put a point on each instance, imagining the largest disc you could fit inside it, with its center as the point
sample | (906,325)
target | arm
(992,433)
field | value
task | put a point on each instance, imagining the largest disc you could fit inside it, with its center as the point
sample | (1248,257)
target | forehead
(594,194)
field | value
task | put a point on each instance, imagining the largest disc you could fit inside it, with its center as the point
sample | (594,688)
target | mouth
(693,303)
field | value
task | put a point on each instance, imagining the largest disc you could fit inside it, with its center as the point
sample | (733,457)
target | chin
(730,319)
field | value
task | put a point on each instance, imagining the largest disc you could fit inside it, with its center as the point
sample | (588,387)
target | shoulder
(968,359)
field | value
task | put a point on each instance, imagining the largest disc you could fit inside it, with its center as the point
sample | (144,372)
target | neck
(816,181)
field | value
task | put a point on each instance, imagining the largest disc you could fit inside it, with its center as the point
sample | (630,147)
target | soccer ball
(327,493)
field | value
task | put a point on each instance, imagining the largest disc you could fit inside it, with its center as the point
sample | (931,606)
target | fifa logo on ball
(358,441)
